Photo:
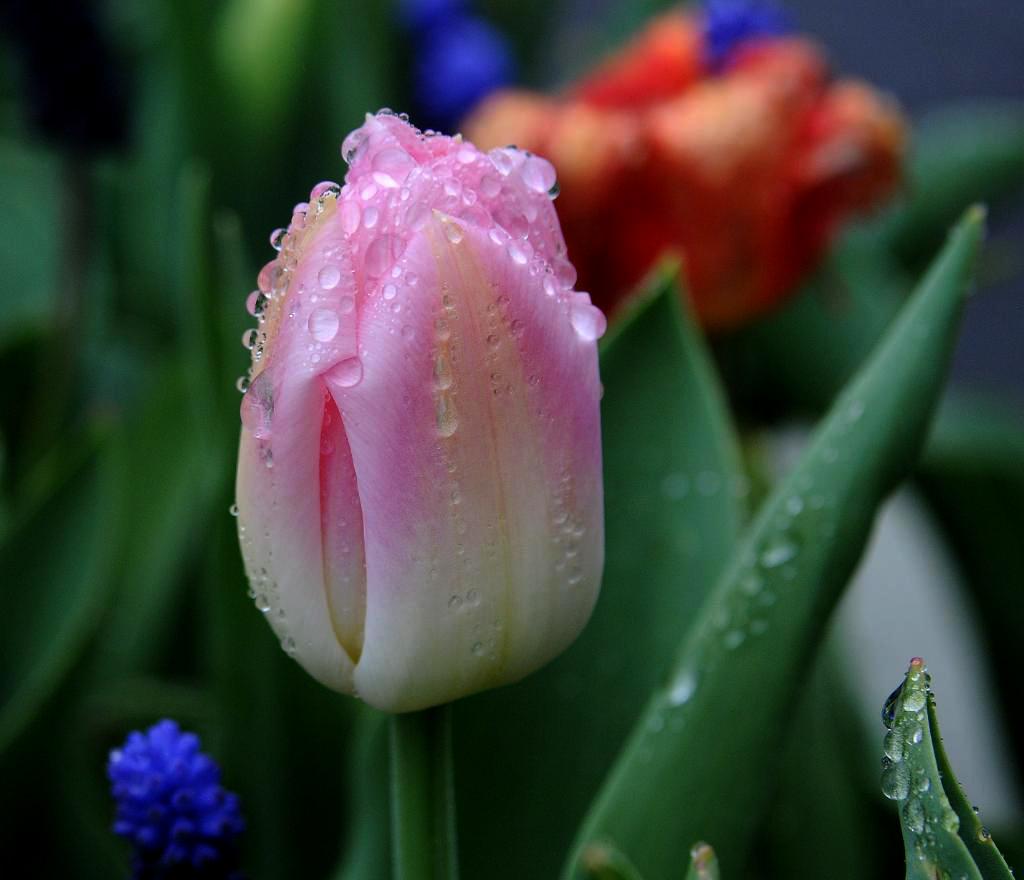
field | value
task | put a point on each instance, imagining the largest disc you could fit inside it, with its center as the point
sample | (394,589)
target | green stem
(423,796)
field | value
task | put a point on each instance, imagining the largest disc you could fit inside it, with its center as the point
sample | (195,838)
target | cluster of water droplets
(904,775)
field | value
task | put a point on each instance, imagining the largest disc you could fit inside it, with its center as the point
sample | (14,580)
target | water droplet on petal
(587,320)
(323,324)
(277,238)
(538,174)
(348,373)
(329,277)
(257,408)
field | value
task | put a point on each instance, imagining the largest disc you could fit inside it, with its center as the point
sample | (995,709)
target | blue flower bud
(728,24)
(171,806)
(458,62)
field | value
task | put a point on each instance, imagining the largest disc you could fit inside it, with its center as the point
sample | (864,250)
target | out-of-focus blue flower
(730,23)
(457,63)
(458,59)
(171,806)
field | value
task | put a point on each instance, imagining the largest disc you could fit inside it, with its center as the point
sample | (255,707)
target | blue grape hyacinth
(730,23)
(172,807)
(458,59)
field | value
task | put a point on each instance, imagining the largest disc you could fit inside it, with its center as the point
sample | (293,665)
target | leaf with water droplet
(942,834)
(738,712)
(703,863)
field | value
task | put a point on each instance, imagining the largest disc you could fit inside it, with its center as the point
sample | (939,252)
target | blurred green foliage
(125,273)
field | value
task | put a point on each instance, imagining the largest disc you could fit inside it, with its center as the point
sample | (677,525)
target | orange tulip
(746,170)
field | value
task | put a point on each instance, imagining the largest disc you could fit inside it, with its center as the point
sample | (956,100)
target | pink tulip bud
(419,476)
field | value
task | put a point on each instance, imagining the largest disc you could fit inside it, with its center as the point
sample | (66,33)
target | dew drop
(896,782)
(277,238)
(915,700)
(257,408)
(892,745)
(538,174)
(323,324)
(346,305)
(348,373)
(453,232)
(779,552)
(913,815)
(683,688)
(587,320)
(250,337)
(329,277)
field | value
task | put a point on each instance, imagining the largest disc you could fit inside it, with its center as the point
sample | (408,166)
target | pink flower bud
(419,476)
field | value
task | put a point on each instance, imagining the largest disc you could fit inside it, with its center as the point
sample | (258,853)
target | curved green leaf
(976,837)
(942,835)
(911,777)
(673,510)
(694,766)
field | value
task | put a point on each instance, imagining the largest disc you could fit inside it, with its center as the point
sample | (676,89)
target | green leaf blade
(698,755)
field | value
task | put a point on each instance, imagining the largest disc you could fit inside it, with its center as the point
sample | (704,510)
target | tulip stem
(423,796)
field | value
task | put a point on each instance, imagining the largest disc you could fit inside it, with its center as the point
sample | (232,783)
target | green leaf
(698,755)
(942,836)
(977,838)
(57,563)
(673,511)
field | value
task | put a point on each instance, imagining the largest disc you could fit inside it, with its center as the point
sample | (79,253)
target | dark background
(928,54)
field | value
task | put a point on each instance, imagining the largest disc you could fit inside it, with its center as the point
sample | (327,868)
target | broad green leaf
(695,764)
(57,562)
(673,511)
(942,836)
